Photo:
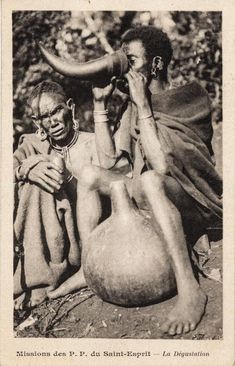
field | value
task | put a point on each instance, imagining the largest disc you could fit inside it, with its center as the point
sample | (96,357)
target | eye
(57,110)
(132,61)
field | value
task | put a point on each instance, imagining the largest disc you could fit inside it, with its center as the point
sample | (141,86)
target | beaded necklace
(63,150)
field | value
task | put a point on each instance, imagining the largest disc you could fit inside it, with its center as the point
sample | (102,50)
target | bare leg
(30,299)
(94,180)
(191,301)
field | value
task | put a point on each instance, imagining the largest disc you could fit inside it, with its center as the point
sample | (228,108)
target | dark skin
(155,186)
(53,115)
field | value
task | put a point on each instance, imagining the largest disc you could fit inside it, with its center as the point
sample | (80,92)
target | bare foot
(187,312)
(19,302)
(75,282)
(30,299)
(38,295)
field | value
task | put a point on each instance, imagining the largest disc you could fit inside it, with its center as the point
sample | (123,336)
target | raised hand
(137,87)
(102,92)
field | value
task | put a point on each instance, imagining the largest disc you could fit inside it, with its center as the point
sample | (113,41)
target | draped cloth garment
(45,227)
(183,119)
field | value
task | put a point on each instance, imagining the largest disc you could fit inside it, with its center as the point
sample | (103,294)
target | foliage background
(196,38)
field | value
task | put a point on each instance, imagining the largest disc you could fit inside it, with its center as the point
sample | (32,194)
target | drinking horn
(102,68)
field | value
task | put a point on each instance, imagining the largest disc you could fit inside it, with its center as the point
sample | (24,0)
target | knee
(89,176)
(152,178)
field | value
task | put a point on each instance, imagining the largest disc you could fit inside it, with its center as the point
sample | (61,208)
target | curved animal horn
(104,67)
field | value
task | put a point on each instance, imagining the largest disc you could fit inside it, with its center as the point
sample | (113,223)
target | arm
(36,168)
(147,124)
(105,145)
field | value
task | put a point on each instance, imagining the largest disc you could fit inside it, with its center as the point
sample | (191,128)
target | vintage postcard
(117,145)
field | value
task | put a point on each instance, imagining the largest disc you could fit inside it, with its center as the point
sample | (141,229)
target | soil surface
(83,314)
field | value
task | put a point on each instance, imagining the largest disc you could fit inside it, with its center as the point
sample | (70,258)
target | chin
(61,137)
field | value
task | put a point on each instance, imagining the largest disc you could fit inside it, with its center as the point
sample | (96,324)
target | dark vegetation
(82,36)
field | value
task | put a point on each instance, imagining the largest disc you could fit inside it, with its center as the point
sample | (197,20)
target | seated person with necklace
(165,136)
(47,165)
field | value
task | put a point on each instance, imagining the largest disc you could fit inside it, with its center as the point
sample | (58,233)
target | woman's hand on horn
(102,92)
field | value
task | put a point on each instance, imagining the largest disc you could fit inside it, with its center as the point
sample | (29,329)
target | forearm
(150,140)
(21,172)
(23,168)
(105,145)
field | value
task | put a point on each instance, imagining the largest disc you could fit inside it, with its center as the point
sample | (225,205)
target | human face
(136,55)
(51,112)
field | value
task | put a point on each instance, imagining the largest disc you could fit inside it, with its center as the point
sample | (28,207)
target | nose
(53,121)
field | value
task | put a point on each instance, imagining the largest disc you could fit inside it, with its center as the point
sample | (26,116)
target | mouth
(57,132)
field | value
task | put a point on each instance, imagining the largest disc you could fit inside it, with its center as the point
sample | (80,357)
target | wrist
(144,111)
(100,105)
(20,175)
(22,172)
(100,116)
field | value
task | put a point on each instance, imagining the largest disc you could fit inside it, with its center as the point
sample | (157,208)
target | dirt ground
(91,317)
(83,314)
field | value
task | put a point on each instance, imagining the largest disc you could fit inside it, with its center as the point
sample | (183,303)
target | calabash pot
(124,258)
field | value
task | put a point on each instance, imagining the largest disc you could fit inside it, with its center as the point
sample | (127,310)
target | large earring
(71,106)
(75,121)
(75,124)
(41,133)
(157,65)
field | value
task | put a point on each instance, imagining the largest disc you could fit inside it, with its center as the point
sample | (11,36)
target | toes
(50,288)
(172,329)
(186,327)
(60,291)
(165,326)
(74,283)
(192,326)
(19,302)
(51,295)
(17,305)
(179,328)
(28,305)
(38,296)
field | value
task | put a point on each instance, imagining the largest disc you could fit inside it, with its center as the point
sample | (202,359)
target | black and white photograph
(117,224)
